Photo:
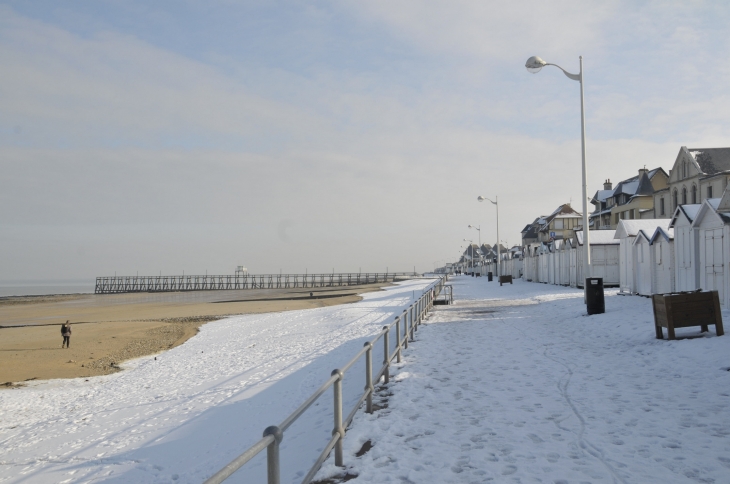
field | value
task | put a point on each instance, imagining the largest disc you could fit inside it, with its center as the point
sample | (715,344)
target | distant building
(697,175)
(632,198)
(560,224)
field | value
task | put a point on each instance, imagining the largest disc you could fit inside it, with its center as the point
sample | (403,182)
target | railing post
(272,454)
(398,338)
(414,309)
(386,359)
(405,327)
(337,390)
(369,376)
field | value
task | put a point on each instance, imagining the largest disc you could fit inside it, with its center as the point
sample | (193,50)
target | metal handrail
(273,435)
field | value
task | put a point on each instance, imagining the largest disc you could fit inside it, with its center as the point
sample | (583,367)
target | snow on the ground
(516,384)
(183,416)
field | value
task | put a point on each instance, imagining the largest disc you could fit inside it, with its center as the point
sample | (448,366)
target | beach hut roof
(598,237)
(641,236)
(630,228)
(668,234)
(689,212)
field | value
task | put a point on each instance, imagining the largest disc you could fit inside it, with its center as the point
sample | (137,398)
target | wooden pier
(127,284)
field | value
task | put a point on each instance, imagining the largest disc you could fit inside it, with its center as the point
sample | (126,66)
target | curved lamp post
(470,248)
(499,255)
(479,250)
(533,65)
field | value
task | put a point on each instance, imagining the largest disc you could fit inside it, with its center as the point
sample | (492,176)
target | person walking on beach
(66,333)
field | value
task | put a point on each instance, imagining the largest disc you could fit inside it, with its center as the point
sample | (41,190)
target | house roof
(711,160)
(598,237)
(630,228)
(601,196)
(644,188)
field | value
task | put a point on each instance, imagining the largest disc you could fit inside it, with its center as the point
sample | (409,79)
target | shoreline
(111,329)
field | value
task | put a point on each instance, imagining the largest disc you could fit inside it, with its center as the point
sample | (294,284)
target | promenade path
(516,384)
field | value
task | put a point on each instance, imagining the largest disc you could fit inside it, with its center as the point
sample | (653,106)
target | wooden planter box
(686,310)
(505,280)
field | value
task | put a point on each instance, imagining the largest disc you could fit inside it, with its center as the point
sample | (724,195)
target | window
(674,199)
(558,224)
(661,206)
(684,195)
(658,253)
(684,169)
(709,191)
(694,193)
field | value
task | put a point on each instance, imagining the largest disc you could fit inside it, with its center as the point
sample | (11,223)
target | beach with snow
(512,383)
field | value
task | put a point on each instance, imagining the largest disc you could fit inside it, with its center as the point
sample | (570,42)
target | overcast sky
(152,137)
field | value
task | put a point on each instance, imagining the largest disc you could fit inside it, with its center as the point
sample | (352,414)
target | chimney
(607,184)
(642,171)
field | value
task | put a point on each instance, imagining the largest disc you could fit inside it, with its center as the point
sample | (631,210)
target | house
(632,198)
(698,174)
(626,232)
(529,233)
(559,224)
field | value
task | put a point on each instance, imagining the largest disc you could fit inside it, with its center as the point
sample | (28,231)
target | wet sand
(109,329)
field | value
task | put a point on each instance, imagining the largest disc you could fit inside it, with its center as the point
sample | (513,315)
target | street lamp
(499,254)
(533,65)
(470,249)
(479,230)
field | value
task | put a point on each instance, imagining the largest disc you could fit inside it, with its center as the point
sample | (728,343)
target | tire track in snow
(583,443)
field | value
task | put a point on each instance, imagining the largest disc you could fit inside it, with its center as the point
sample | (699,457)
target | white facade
(643,266)
(686,248)
(713,231)
(626,232)
(663,276)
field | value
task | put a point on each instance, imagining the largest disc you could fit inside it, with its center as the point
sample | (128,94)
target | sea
(41,287)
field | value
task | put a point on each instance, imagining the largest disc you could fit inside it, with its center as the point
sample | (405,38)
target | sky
(162,137)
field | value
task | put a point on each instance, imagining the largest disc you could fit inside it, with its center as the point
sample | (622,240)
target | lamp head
(534,64)
(481,198)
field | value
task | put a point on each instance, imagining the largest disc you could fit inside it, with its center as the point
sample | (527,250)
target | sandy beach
(109,329)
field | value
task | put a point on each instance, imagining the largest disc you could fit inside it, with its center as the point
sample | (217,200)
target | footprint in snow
(535,439)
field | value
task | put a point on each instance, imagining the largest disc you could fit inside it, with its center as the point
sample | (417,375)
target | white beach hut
(662,243)
(713,226)
(625,234)
(572,263)
(643,267)
(564,263)
(686,248)
(543,272)
(604,257)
